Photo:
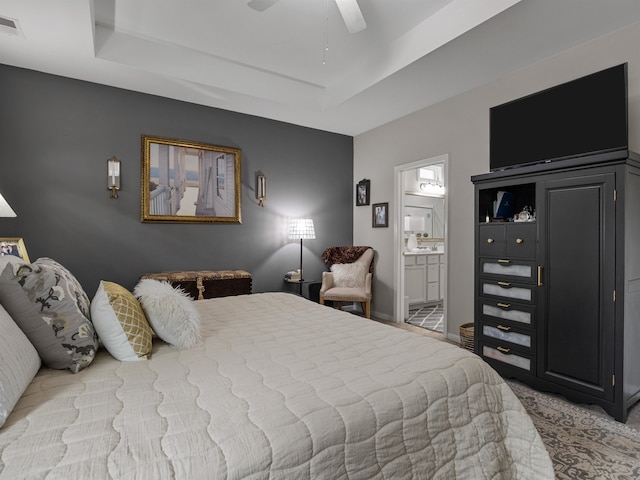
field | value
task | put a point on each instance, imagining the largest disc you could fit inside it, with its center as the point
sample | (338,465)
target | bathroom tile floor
(427,316)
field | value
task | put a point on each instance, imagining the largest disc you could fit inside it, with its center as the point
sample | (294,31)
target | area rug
(582,442)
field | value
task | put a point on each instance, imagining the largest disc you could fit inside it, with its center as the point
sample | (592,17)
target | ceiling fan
(349,10)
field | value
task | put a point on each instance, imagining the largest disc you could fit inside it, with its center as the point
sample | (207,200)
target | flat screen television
(584,116)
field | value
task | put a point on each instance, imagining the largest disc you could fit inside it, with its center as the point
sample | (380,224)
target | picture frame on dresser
(14,246)
(189,182)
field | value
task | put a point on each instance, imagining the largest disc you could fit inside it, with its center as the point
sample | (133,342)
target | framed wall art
(189,182)
(14,246)
(363,192)
(380,213)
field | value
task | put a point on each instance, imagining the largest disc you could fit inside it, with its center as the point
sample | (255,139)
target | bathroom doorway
(420,243)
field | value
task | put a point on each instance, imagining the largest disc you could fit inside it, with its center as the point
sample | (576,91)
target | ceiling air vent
(10,26)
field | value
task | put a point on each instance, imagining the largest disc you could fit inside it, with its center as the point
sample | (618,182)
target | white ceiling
(274,64)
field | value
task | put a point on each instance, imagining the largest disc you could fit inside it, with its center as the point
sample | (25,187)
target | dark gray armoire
(558,292)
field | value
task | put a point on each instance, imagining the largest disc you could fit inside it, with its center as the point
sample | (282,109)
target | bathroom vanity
(423,272)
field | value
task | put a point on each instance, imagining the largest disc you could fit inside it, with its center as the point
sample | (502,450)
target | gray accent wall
(56,135)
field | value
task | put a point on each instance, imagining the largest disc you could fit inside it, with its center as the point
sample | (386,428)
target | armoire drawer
(507,356)
(510,291)
(508,240)
(514,313)
(507,269)
(506,333)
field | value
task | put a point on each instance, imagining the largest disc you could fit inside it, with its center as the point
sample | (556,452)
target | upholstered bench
(201,284)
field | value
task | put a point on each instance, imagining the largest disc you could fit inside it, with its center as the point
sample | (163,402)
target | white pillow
(120,322)
(170,312)
(349,274)
(19,363)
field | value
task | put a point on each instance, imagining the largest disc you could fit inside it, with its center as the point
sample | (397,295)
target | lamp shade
(7,211)
(302,228)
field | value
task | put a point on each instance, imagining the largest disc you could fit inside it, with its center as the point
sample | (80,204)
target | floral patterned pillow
(49,305)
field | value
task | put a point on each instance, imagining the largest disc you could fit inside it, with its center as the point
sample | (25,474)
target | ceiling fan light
(351,15)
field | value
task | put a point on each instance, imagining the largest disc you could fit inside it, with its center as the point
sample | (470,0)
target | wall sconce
(261,188)
(113,176)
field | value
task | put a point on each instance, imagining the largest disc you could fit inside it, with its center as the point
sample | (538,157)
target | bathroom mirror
(418,220)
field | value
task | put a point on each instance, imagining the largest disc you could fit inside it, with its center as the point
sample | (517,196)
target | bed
(280,388)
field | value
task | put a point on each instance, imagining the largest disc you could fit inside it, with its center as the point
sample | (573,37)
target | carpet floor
(582,440)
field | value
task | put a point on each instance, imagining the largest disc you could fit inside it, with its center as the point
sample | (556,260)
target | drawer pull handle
(504,262)
(504,305)
(504,284)
(504,328)
(489,240)
(503,350)
(519,241)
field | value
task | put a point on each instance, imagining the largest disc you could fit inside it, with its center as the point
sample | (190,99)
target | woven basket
(466,336)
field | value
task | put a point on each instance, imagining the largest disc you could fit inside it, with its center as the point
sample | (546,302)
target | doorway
(420,243)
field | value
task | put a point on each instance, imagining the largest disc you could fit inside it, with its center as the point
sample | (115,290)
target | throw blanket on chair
(347,254)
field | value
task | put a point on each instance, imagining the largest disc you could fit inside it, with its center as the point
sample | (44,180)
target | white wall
(460,127)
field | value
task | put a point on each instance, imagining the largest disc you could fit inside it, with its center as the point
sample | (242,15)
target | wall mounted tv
(580,117)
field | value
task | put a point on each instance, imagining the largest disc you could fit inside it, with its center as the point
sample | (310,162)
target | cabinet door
(416,280)
(577,246)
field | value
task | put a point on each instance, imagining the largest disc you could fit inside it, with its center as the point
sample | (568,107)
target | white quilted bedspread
(282,389)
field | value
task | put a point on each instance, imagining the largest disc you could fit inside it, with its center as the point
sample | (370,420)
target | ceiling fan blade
(351,15)
(262,5)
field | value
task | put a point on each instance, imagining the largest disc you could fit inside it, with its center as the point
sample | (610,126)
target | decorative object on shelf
(5,208)
(293,276)
(113,176)
(14,246)
(503,207)
(261,188)
(380,214)
(363,192)
(189,182)
(301,228)
(528,214)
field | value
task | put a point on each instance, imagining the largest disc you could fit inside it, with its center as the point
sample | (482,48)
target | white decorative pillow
(349,274)
(19,363)
(171,313)
(120,322)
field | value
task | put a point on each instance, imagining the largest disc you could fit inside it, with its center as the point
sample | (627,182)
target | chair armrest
(367,283)
(327,282)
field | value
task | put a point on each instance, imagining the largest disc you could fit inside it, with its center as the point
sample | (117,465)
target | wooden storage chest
(201,284)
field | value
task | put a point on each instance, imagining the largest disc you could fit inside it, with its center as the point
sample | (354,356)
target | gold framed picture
(14,246)
(189,182)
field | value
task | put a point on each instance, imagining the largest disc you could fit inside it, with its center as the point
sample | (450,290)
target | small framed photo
(15,247)
(363,192)
(380,214)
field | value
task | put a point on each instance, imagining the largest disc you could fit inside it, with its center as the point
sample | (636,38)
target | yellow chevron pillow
(120,322)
